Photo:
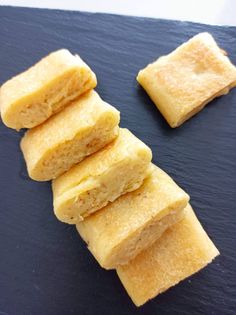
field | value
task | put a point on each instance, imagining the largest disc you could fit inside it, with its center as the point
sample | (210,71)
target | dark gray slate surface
(44,266)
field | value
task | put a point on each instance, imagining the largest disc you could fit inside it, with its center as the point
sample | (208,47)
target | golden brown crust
(183,82)
(181,251)
(82,128)
(118,168)
(134,221)
(31,97)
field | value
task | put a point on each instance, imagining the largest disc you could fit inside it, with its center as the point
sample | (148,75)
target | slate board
(45,268)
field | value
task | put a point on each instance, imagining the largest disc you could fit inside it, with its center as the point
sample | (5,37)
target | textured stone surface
(45,267)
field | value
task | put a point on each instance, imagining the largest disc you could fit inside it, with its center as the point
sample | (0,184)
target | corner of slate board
(45,267)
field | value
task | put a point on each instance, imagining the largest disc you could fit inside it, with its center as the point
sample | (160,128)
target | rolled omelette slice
(186,80)
(122,229)
(101,178)
(181,251)
(82,128)
(31,97)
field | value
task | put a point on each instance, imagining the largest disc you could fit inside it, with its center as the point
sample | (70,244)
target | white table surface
(221,12)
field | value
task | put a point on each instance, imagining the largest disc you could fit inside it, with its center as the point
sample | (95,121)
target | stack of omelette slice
(132,215)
